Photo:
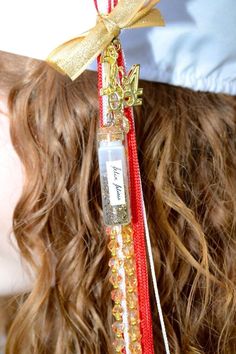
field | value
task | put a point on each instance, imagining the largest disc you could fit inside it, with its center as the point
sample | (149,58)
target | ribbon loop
(74,56)
(111,26)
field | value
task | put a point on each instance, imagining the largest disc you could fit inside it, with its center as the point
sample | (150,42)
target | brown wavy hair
(187,153)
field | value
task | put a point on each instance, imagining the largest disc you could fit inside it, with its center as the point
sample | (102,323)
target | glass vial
(113,176)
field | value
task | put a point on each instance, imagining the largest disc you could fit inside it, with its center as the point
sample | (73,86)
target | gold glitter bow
(73,57)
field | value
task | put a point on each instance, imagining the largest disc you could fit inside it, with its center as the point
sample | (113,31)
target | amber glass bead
(134,317)
(129,266)
(134,332)
(115,279)
(118,328)
(127,237)
(127,230)
(117,312)
(114,264)
(135,348)
(132,300)
(119,345)
(128,250)
(131,283)
(113,246)
(117,295)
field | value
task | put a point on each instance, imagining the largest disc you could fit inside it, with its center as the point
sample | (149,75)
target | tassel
(122,203)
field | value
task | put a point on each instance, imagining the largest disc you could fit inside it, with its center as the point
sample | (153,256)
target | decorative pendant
(113,176)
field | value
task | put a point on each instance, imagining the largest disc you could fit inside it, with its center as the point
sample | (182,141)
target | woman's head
(188,166)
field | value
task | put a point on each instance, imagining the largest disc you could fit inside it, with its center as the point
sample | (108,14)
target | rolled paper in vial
(113,176)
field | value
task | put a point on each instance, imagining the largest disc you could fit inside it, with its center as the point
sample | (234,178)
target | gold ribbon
(73,57)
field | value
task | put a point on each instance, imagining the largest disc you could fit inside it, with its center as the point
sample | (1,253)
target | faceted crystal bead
(118,328)
(117,295)
(113,245)
(134,332)
(127,229)
(119,344)
(132,300)
(131,283)
(117,312)
(129,266)
(115,264)
(127,237)
(135,347)
(128,250)
(115,279)
(134,317)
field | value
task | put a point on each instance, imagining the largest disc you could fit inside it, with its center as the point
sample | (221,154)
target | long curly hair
(187,153)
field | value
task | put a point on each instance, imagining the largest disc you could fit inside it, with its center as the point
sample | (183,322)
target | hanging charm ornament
(121,91)
(118,162)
